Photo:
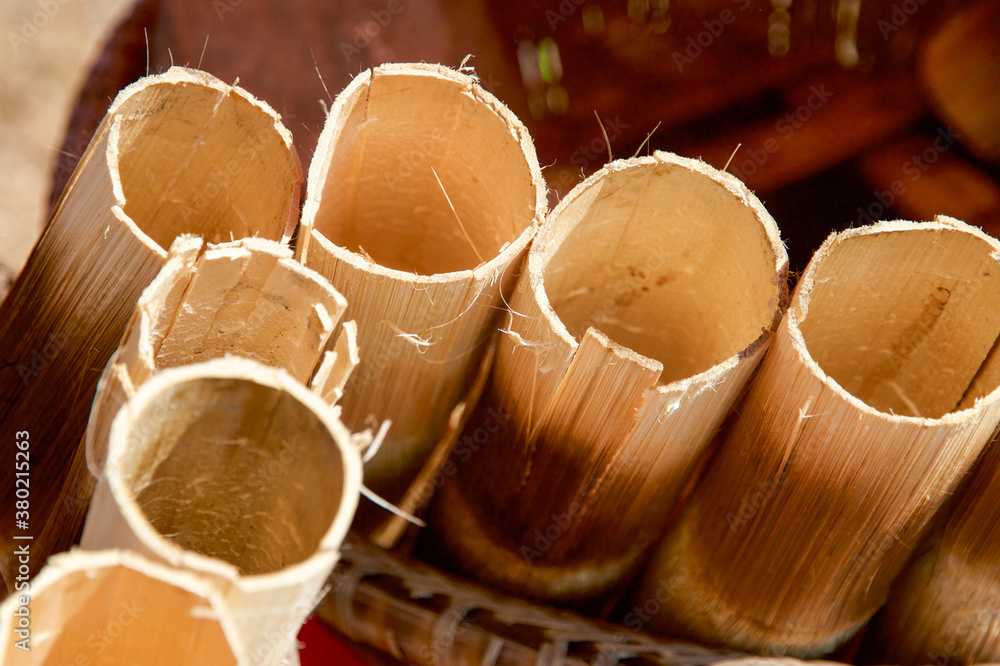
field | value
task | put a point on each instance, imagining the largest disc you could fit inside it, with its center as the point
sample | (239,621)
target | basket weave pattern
(420,616)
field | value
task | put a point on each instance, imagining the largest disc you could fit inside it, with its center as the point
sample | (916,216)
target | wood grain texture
(238,473)
(945,608)
(423,195)
(247,298)
(875,399)
(650,295)
(117,607)
(177,153)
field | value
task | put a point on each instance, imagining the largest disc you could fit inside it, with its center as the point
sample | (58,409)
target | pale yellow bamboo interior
(381,196)
(250,299)
(216,166)
(674,266)
(906,322)
(116,615)
(235,470)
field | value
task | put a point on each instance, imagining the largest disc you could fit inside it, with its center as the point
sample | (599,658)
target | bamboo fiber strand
(876,397)
(424,193)
(179,152)
(116,607)
(649,297)
(247,298)
(945,608)
(239,474)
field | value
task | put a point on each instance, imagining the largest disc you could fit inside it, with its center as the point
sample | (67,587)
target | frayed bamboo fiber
(114,607)
(945,608)
(247,298)
(239,474)
(423,195)
(180,152)
(875,398)
(650,295)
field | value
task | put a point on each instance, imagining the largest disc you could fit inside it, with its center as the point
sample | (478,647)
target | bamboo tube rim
(63,565)
(326,552)
(335,124)
(550,238)
(799,309)
(164,303)
(816,497)
(177,75)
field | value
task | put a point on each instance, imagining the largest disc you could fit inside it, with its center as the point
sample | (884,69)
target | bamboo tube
(180,152)
(877,395)
(423,195)
(945,609)
(238,473)
(116,607)
(957,66)
(650,295)
(247,298)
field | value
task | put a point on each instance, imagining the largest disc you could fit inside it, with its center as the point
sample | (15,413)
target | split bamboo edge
(877,396)
(239,474)
(177,152)
(423,195)
(650,295)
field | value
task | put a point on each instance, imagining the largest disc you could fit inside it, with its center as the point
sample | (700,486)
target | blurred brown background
(39,78)
(844,111)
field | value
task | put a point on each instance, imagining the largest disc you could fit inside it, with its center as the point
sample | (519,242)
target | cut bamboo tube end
(116,607)
(424,193)
(877,395)
(179,152)
(945,608)
(651,292)
(248,298)
(239,474)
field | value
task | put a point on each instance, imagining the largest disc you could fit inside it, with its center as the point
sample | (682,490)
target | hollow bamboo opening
(674,265)
(232,469)
(103,612)
(426,176)
(210,162)
(906,322)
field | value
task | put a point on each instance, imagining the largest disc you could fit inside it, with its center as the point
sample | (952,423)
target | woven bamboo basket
(418,615)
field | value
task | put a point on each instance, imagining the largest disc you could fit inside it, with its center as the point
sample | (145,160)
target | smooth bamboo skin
(247,298)
(178,152)
(945,608)
(117,607)
(239,474)
(581,445)
(423,195)
(827,478)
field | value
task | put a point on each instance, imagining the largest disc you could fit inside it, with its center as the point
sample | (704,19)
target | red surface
(320,647)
